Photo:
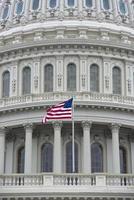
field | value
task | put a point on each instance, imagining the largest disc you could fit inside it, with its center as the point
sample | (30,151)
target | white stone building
(51,50)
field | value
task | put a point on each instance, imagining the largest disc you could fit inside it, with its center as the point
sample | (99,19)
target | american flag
(60,111)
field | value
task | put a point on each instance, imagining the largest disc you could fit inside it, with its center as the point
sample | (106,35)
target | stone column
(130,12)
(132,154)
(2,149)
(28,148)
(12,7)
(86,147)
(57,147)
(115,8)
(98,6)
(109,150)
(9,152)
(27,8)
(115,148)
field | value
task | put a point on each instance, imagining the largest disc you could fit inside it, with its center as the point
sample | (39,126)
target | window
(122,6)
(35,4)
(47,157)
(69,157)
(106,5)
(94,78)
(116,80)
(89,3)
(52,3)
(71,77)
(5,11)
(48,76)
(70,3)
(26,82)
(21,160)
(6,84)
(96,157)
(123,160)
(19,7)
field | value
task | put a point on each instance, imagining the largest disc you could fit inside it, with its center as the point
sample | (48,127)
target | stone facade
(58,36)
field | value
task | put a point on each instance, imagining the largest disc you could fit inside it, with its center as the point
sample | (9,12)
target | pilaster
(59,73)
(107,77)
(36,76)
(14,79)
(83,73)
(129,78)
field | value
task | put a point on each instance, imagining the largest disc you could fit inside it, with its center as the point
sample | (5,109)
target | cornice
(66,47)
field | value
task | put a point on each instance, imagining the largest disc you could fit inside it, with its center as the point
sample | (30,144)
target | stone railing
(83,98)
(53,180)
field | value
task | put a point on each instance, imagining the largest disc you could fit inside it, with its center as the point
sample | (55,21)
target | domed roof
(102,18)
(22,12)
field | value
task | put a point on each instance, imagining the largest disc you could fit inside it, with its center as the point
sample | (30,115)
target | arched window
(106,5)
(122,7)
(47,157)
(70,3)
(96,157)
(35,4)
(6,84)
(52,3)
(5,11)
(123,160)
(71,77)
(19,7)
(21,160)
(48,76)
(26,80)
(69,157)
(94,78)
(89,3)
(116,80)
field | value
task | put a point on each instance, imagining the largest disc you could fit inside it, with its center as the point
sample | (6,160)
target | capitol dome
(51,51)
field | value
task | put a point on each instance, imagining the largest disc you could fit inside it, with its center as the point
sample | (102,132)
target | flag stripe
(59,113)
(58,117)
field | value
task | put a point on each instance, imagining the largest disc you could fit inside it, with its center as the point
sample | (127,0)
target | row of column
(58,148)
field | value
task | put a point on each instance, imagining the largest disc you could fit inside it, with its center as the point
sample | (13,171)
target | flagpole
(73,143)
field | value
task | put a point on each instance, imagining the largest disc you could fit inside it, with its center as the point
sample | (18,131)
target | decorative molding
(57,124)
(86,124)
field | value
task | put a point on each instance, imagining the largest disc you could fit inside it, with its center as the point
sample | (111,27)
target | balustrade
(83,96)
(55,180)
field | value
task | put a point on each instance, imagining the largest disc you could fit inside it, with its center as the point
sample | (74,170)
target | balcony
(81,98)
(67,184)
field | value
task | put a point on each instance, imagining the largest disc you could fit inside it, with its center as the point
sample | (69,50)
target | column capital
(3,130)
(57,124)
(28,126)
(115,126)
(86,124)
